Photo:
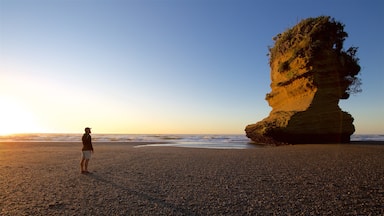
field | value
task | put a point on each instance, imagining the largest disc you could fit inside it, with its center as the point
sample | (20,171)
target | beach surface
(43,178)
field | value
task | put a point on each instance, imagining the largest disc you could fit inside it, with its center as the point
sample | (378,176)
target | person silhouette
(86,151)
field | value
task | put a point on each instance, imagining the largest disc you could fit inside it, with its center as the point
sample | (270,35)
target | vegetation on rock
(308,40)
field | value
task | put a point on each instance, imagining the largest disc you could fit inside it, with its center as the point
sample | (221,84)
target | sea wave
(169,138)
(124,138)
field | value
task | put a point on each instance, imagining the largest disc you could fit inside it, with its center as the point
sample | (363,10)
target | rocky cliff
(310,73)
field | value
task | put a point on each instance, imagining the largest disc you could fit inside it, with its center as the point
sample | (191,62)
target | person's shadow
(142,195)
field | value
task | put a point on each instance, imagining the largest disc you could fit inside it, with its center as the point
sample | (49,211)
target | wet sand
(332,179)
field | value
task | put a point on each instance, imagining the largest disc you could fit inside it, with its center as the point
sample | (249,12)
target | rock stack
(310,73)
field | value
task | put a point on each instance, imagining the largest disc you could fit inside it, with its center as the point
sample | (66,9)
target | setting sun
(16,119)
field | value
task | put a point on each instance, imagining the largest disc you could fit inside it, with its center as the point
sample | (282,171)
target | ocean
(217,141)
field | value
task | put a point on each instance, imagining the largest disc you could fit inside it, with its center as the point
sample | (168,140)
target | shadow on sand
(158,201)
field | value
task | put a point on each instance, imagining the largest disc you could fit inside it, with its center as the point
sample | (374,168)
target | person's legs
(82,164)
(86,165)
(86,155)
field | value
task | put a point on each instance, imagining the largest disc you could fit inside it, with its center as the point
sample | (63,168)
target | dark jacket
(87,142)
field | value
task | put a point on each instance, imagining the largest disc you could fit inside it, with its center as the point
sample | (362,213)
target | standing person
(87,150)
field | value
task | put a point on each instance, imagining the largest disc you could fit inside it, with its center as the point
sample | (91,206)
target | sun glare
(14,118)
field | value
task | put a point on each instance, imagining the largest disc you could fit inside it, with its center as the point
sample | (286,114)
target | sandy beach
(43,178)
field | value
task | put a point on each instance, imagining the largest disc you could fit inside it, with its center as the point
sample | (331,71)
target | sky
(164,66)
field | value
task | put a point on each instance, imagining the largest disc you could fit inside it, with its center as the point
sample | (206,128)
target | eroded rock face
(310,73)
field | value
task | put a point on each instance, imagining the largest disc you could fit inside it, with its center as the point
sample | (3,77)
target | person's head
(87,130)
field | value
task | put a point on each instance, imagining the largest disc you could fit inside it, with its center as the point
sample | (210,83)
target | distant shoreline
(227,146)
(196,138)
